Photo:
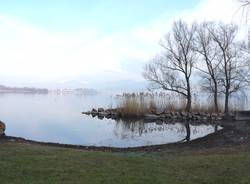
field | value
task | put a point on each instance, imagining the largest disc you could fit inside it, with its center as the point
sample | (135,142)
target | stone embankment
(153,116)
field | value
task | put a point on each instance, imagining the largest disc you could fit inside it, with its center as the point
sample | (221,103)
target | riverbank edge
(217,139)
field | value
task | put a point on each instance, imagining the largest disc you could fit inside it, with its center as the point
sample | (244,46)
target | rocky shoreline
(161,116)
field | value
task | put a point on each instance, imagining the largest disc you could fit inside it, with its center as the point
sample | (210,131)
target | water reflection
(170,131)
(188,132)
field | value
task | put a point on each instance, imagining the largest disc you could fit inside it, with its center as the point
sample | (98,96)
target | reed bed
(139,104)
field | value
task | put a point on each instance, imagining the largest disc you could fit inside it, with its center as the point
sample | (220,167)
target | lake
(58,119)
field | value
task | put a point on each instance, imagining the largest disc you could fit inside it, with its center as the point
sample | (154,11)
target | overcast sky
(90,41)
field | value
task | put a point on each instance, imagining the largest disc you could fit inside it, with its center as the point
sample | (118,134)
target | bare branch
(173,69)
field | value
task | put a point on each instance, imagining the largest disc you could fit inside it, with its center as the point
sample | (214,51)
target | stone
(93,115)
(163,116)
(94,112)
(204,118)
(171,113)
(2,128)
(108,116)
(174,117)
(196,118)
(197,113)
(108,111)
(167,116)
(100,117)
(100,110)
(151,117)
(189,116)
(178,115)
(158,122)
(183,113)
(103,113)
(86,113)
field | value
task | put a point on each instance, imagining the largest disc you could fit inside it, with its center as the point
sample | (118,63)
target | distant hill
(100,84)
(5,89)
(78,91)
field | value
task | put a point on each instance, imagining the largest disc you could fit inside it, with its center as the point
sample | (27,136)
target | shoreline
(232,134)
(158,147)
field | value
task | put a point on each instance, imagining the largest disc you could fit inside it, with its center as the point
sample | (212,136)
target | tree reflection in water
(187,126)
(182,131)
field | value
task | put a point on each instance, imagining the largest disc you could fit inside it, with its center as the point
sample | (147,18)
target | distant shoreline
(25,90)
(33,90)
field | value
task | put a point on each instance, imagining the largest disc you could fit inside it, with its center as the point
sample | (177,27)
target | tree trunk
(188,106)
(189,97)
(226,102)
(216,128)
(216,108)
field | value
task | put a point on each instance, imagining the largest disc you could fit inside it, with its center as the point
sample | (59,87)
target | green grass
(25,163)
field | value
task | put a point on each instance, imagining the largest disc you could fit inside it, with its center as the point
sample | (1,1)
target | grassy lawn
(25,163)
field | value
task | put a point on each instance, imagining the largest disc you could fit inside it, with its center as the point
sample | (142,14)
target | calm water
(58,118)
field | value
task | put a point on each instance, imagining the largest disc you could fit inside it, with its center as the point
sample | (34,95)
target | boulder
(189,116)
(183,114)
(101,117)
(86,113)
(108,111)
(108,116)
(2,128)
(158,122)
(178,115)
(93,111)
(167,116)
(152,117)
(171,114)
(196,118)
(100,109)
(103,113)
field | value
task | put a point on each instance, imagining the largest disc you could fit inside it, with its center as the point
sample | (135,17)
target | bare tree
(172,70)
(208,52)
(245,9)
(233,68)
(245,4)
